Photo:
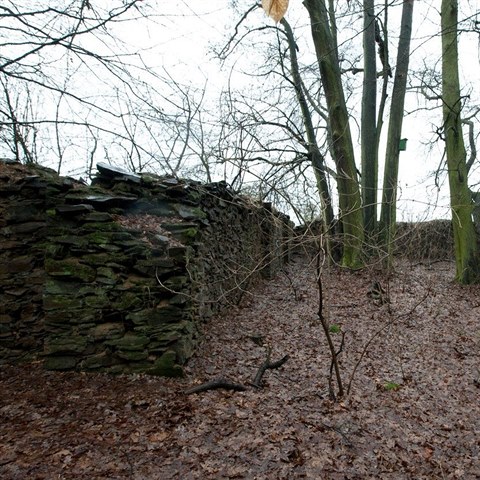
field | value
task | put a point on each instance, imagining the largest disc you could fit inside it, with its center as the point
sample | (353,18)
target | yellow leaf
(275,8)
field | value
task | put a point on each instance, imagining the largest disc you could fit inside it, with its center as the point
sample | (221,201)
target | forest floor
(413,411)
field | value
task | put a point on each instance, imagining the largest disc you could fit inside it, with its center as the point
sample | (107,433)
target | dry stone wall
(116,276)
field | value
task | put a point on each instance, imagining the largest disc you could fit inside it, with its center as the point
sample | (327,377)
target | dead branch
(238,387)
(266,365)
(292,285)
(233,39)
(216,384)
(333,353)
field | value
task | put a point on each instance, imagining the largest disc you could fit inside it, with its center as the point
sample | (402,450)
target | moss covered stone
(130,342)
(160,339)
(84,317)
(98,361)
(185,233)
(62,302)
(168,313)
(54,251)
(108,331)
(20,264)
(189,212)
(97,302)
(155,266)
(140,318)
(59,286)
(132,355)
(99,238)
(156,316)
(103,258)
(73,240)
(70,268)
(165,366)
(97,217)
(106,275)
(66,344)
(128,301)
(61,363)
(170,333)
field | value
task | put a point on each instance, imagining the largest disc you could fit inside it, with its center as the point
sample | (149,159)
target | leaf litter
(425,341)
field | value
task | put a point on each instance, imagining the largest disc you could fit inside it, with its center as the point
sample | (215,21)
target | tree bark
(316,157)
(347,180)
(388,216)
(464,234)
(369,150)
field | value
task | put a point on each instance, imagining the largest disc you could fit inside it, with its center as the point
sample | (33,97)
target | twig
(292,286)
(348,442)
(378,332)
(331,346)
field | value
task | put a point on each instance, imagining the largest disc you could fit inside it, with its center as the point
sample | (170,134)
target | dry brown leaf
(158,436)
(427,452)
(52,425)
(275,8)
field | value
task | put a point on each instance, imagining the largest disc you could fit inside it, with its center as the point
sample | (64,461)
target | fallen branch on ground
(214,384)
(267,364)
(238,387)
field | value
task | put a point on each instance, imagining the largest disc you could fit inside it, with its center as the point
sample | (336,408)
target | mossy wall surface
(116,276)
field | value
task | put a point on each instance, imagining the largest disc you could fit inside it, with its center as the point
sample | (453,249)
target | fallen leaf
(158,436)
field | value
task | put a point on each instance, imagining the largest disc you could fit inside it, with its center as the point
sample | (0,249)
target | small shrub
(334,328)
(391,386)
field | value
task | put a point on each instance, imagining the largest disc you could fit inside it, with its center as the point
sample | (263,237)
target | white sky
(183,47)
(180,34)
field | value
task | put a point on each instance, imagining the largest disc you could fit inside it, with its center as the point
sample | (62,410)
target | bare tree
(369,131)
(389,196)
(465,238)
(279,128)
(69,78)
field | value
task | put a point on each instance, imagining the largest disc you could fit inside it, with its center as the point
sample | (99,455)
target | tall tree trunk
(316,157)
(369,150)
(390,179)
(384,95)
(465,238)
(347,179)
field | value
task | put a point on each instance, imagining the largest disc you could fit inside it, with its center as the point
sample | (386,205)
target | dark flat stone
(102,201)
(111,171)
(74,209)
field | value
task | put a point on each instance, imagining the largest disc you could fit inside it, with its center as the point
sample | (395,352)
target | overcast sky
(180,36)
(192,27)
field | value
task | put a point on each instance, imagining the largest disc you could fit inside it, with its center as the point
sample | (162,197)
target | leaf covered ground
(413,411)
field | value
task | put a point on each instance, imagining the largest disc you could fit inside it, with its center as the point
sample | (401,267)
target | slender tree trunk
(369,179)
(333,24)
(384,95)
(347,179)
(465,238)
(390,179)
(316,157)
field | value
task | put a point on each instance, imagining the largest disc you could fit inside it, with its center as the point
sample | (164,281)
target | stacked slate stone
(116,276)
(23,232)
